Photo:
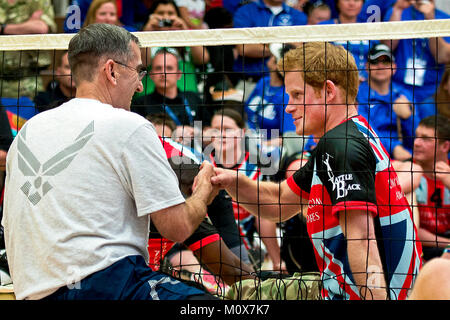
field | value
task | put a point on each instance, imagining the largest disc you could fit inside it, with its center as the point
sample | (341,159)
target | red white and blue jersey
(351,170)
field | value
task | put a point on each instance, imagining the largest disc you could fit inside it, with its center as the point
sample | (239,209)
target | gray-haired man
(83,180)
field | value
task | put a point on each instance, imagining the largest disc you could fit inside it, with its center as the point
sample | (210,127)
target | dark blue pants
(129,279)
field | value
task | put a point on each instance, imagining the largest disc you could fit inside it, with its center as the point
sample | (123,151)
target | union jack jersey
(351,170)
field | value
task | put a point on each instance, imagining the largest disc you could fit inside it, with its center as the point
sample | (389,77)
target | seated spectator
(439,102)
(164,125)
(192,12)
(133,15)
(61,90)
(221,57)
(165,16)
(215,246)
(6,139)
(349,13)
(384,104)
(431,151)
(418,68)
(317,12)
(375,10)
(252,59)
(183,107)
(232,150)
(19,74)
(104,11)
(265,105)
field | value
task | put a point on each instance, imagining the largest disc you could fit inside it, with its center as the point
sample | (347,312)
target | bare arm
(34,25)
(443,173)
(397,11)
(273,201)
(267,231)
(363,255)
(429,239)
(224,263)
(257,50)
(178,222)
(3,155)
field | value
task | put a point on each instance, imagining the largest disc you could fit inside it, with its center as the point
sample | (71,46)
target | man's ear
(330,90)
(111,74)
(446,146)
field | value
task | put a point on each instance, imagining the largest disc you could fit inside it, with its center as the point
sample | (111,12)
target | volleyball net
(220,71)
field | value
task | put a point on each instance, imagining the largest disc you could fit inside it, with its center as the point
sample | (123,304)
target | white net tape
(343,32)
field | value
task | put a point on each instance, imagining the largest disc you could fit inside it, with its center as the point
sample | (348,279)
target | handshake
(211,180)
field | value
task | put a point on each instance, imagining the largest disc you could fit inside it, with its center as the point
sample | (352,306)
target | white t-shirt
(81,181)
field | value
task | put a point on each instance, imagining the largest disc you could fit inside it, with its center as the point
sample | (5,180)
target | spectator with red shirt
(431,150)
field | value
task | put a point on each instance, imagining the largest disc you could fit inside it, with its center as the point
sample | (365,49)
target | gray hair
(96,41)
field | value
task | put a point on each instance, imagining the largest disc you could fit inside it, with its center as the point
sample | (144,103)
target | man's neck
(429,167)
(88,90)
(272,3)
(341,114)
(170,93)
(382,88)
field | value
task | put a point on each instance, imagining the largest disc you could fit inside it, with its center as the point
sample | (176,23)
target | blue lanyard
(173,115)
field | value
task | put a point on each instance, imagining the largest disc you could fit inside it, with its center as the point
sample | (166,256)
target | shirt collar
(285,7)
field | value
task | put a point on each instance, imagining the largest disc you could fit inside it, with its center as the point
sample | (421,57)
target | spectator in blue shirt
(252,58)
(375,10)
(265,105)
(418,70)
(383,103)
(349,12)
(132,15)
(438,102)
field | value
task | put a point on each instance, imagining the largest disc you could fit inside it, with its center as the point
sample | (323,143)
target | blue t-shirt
(377,109)
(358,48)
(257,14)
(265,109)
(417,70)
(375,10)
(426,108)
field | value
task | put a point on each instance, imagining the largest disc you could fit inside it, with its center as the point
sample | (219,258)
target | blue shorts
(128,279)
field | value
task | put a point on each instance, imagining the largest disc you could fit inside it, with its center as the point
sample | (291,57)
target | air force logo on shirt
(37,187)
(284,20)
(340,183)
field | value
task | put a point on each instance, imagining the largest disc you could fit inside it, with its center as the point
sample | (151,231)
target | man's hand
(402,107)
(402,4)
(154,20)
(224,178)
(202,182)
(443,173)
(427,8)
